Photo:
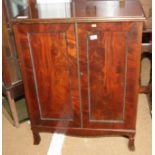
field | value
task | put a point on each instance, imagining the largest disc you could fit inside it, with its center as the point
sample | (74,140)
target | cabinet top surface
(87,10)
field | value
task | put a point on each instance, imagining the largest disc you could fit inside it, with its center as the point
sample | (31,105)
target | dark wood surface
(52,77)
(81,78)
(108,65)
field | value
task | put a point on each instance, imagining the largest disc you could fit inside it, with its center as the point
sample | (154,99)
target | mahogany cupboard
(81,71)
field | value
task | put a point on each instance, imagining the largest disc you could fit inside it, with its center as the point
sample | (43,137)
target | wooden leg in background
(36,137)
(13,108)
(131,144)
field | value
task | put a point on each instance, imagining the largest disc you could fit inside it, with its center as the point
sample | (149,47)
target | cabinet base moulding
(86,132)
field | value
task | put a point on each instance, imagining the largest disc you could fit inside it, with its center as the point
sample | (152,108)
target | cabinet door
(109,63)
(49,67)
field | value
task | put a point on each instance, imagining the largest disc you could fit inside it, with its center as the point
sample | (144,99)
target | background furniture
(147,47)
(12,82)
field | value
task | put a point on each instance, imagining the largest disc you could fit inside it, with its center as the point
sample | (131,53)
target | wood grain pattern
(106,64)
(106,76)
(52,69)
(81,78)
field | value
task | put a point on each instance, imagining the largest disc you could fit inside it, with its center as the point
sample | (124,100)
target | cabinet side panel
(133,73)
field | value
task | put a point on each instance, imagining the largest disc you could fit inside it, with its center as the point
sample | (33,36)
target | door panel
(51,68)
(106,53)
(50,53)
(106,73)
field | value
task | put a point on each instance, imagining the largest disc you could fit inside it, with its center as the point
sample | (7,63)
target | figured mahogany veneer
(81,78)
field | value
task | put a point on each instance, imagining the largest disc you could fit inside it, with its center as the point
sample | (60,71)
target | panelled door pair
(80,75)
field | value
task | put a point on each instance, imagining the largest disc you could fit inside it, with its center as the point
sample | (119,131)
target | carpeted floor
(19,141)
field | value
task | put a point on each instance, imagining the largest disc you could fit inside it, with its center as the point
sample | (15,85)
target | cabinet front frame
(82,119)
